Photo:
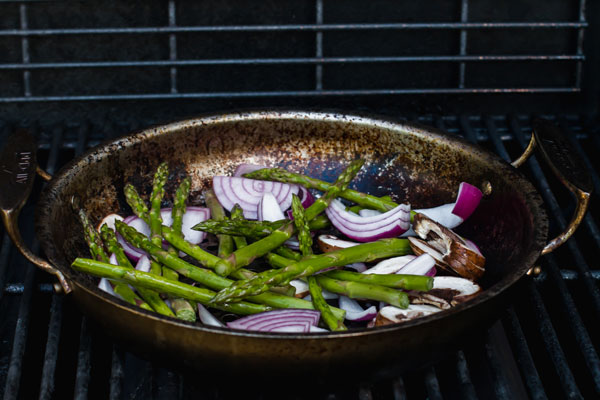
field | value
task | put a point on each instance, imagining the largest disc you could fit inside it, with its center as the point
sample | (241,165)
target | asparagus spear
(97,250)
(183,308)
(365,252)
(320,304)
(357,290)
(246,255)
(218,214)
(281,175)
(205,277)
(302,227)
(151,297)
(237,214)
(288,253)
(158,192)
(316,293)
(397,281)
(252,229)
(161,284)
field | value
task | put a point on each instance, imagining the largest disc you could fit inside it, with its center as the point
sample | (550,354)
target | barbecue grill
(78,73)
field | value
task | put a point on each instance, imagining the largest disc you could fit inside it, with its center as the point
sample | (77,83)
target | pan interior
(413,164)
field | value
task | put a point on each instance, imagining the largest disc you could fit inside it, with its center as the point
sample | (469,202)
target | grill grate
(544,346)
(172,50)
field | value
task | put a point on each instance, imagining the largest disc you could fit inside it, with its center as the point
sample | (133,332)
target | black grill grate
(544,346)
(178,49)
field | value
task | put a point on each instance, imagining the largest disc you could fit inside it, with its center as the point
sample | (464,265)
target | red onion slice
(207,318)
(143,264)
(105,286)
(421,265)
(365,212)
(390,265)
(248,192)
(246,169)
(453,214)
(358,267)
(354,312)
(366,229)
(109,220)
(467,200)
(277,319)
(268,209)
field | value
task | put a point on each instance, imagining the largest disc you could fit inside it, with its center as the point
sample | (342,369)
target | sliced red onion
(366,229)
(268,209)
(246,169)
(421,265)
(293,243)
(390,265)
(109,220)
(365,212)
(291,327)
(354,312)
(453,214)
(207,318)
(143,264)
(327,295)
(270,321)
(191,217)
(248,192)
(467,200)
(113,259)
(306,197)
(105,286)
(317,329)
(358,267)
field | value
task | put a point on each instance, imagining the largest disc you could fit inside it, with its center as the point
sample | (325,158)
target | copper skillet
(419,165)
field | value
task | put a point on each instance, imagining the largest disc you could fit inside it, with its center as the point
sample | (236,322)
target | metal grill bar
(82,377)
(51,353)
(464,378)
(172,46)
(523,355)
(398,389)
(464,16)
(580,36)
(116,374)
(296,27)
(319,59)
(291,93)
(432,385)
(25,50)
(319,47)
(552,344)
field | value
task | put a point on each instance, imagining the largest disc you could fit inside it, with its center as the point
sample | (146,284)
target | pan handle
(568,168)
(18,167)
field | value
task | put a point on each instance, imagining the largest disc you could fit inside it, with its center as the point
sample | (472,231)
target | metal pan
(419,165)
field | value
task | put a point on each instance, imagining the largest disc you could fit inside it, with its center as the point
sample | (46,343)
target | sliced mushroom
(301,288)
(429,299)
(455,252)
(393,315)
(453,289)
(328,243)
(419,246)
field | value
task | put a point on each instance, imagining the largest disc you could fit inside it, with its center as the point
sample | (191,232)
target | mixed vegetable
(277,251)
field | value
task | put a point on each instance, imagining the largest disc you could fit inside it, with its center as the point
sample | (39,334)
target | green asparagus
(304,238)
(237,214)
(363,199)
(203,276)
(316,294)
(218,214)
(357,290)
(365,252)
(398,281)
(161,284)
(151,297)
(155,219)
(252,229)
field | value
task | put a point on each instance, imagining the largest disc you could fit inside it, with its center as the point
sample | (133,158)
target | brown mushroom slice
(458,255)
(428,299)
(301,288)
(419,246)
(390,265)
(393,315)
(453,289)
(329,243)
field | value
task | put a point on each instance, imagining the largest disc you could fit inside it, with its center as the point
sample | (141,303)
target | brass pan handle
(568,168)
(18,167)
